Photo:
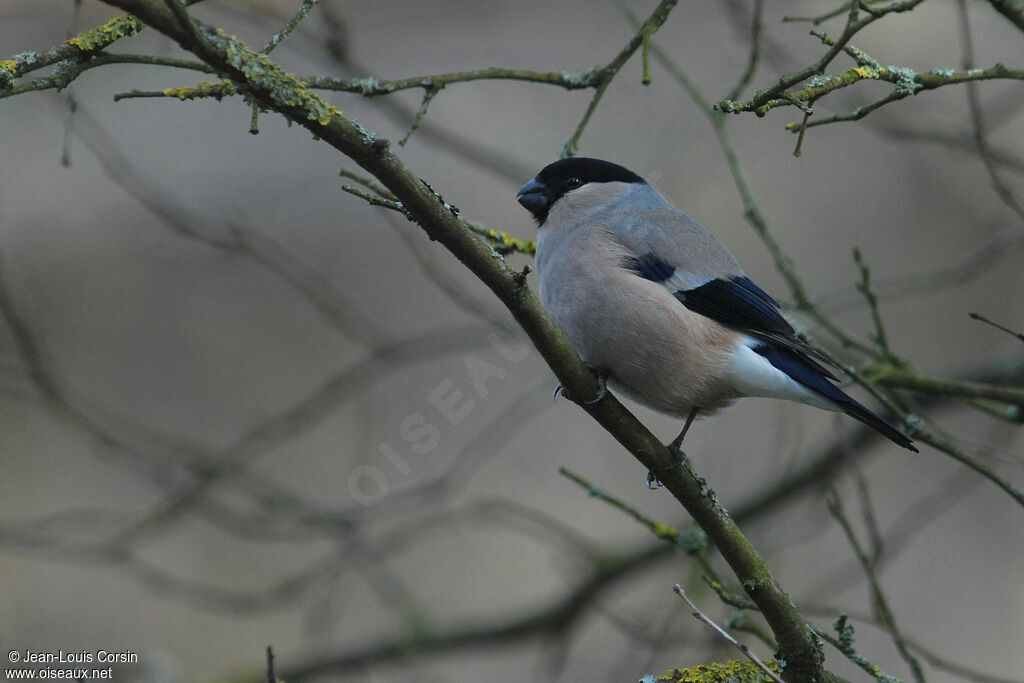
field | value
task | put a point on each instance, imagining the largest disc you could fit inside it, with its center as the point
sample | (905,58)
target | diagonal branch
(273,88)
(605,75)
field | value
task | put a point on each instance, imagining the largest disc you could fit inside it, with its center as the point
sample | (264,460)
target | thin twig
(74,51)
(727,596)
(1002,243)
(659,529)
(798,150)
(605,75)
(292,24)
(63,78)
(271,678)
(896,539)
(772,96)
(977,120)
(821,18)
(572,144)
(957,668)
(881,604)
(947,446)
(428,94)
(844,643)
(332,304)
(65,153)
(1007,330)
(754,57)
(906,82)
(871,297)
(69,115)
(867,508)
(374,87)
(943,387)
(368,182)
(747,652)
(377,200)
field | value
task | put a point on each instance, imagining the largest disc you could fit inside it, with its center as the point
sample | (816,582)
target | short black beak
(534,197)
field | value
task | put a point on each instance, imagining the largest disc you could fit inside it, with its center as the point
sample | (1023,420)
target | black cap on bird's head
(566,175)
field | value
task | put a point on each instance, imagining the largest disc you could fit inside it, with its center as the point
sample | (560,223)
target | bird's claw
(653,483)
(602,384)
(602,391)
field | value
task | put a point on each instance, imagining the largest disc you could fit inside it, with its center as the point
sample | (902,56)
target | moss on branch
(738,671)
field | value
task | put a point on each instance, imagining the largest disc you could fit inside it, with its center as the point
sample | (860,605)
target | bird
(659,308)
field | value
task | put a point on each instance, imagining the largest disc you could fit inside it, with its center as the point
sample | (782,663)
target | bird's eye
(572,183)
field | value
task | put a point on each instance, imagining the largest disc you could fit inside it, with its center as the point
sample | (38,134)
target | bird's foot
(653,483)
(602,384)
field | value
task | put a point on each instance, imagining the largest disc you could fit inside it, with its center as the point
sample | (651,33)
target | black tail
(859,412)
(803,371)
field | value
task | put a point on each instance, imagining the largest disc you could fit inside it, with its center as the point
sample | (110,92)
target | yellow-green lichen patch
(283,88)
(729,672)
(865,72)
(514,243)
(8,72)
(204,89)
(662,530)
(102,36)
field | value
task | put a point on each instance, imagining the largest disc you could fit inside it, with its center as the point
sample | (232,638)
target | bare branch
(977,316)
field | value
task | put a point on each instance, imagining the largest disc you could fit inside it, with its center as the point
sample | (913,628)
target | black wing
(737,303)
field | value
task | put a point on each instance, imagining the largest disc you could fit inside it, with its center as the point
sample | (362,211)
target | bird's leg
(678,441)
(675,448)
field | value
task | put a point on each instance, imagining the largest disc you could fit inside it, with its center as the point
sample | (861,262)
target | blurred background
(240,407)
